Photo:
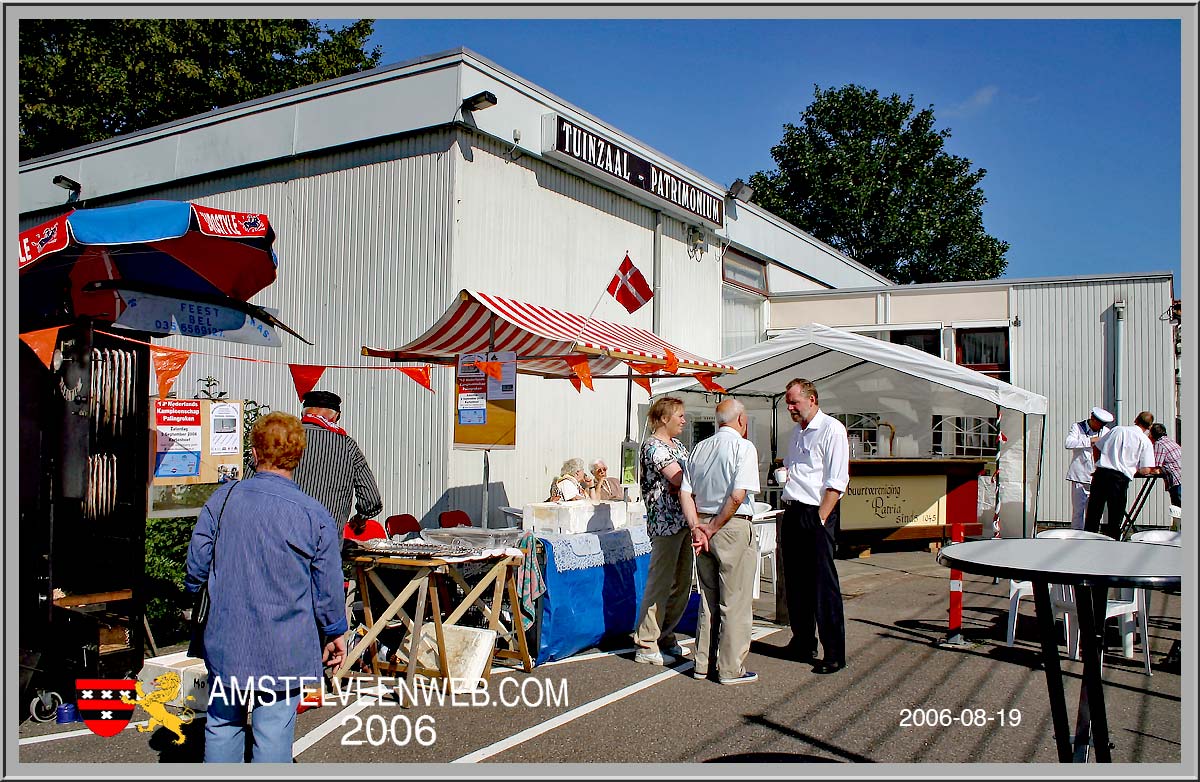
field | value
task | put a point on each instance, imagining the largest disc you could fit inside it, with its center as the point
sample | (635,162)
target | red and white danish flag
(629,287)
(99,703)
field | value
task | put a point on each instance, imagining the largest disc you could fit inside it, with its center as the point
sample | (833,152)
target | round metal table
(1091,566)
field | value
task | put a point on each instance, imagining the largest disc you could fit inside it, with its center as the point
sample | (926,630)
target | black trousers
(1110,491)
(814,594)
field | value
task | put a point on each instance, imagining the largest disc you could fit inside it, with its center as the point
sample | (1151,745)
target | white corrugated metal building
(1108,340)
(388,197)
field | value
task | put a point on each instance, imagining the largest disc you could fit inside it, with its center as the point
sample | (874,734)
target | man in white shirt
(818,465)
(717,495)
(1121,454)
(1080,439)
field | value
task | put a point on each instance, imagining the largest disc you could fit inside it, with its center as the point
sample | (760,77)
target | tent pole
(487,466)
(628,402)
(774,429)
(1025,476)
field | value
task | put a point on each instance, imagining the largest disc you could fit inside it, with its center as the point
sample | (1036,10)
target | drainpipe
(1118,360)
(657,300)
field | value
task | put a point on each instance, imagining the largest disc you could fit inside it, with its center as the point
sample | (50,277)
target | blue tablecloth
(594,586)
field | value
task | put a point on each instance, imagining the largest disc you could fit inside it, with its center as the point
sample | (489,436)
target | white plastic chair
(1163,537)
(1058,597)
(764,535)
(1128,604)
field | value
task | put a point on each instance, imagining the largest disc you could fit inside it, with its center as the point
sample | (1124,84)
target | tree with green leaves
(870,176)
(86,80)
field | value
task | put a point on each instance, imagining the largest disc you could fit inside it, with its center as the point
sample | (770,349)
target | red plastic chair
(454,518)
(402,524)
(371,530)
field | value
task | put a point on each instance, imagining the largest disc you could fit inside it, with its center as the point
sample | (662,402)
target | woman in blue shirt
(270,556)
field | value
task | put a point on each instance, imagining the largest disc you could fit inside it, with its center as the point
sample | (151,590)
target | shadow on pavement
(807,738)
(191,750)
(769,757)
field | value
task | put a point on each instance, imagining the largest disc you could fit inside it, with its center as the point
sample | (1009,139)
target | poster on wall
(197,441)
(177,426)
(485,401)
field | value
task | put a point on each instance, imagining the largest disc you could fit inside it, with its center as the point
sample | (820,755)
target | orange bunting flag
(644,382)
(672,363)
(645,369)
(42,343)
(305,377)
(421,374)
(168,363)
(706,380)
(494,369)
(582,369)
(577,383)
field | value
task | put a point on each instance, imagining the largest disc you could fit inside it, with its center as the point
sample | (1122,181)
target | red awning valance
(542,337)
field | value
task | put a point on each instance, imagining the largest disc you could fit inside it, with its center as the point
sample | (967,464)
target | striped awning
(542,338)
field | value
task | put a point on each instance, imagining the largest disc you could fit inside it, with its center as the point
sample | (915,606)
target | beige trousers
(726,573)
(668,587)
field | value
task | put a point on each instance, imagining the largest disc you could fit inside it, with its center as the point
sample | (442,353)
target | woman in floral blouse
(669,582)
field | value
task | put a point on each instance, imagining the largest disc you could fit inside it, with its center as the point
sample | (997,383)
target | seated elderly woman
(606,487)
(572,482)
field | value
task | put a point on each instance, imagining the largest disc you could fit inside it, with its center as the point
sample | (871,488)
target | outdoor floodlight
(66,182)
(741,191)
(480,100)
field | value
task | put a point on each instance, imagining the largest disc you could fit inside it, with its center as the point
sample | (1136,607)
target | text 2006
(399,730)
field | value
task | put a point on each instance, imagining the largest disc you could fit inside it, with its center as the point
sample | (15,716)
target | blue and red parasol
(80,264)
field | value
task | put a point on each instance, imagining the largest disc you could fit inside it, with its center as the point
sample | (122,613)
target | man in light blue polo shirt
(717,495)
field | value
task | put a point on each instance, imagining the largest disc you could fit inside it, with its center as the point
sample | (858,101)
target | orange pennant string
(706,380)
(645,369)
(305,377)
(672,363)
(644,382)
(168,363)
(421,375)
(493,369)
(577,383)
(582,369)
(42,343)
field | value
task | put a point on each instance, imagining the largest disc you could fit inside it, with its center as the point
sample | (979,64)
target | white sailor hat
(1102,415)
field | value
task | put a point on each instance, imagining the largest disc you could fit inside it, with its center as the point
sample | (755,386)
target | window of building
(744,271)
(984,350)
(741,319)
(864,426)
(966,436)
(926,340)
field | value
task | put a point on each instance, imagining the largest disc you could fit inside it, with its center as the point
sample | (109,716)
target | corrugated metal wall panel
(364,258)
(1064,350)
(539,233)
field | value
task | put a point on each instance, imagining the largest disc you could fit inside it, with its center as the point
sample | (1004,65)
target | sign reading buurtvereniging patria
(567,141)
(874,501)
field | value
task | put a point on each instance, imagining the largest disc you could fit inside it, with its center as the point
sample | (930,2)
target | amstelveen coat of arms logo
(100,705)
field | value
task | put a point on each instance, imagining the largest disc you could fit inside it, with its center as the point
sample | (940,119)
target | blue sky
(1076,121)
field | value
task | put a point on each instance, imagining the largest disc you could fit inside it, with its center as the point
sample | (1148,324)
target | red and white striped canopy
(541,337)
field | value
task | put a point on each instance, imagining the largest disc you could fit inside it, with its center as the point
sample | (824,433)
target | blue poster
(176,464)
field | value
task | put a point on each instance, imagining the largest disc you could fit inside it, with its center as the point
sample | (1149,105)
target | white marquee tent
(905,388)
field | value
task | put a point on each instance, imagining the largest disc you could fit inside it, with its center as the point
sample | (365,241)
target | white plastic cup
(781,474)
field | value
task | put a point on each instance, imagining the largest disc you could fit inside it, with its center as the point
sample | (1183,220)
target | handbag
(201,602)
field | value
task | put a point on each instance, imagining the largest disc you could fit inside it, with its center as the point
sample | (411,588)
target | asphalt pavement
(987,702)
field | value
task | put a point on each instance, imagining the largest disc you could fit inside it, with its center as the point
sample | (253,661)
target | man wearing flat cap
(332,469)
(1080,439)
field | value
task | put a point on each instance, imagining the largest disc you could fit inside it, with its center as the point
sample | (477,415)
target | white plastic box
(569,518)
(193,679)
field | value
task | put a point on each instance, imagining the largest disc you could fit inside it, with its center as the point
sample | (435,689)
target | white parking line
(338,720)
(587,708)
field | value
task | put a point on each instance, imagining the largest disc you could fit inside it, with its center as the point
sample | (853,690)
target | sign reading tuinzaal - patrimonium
(566,141)
(872,502)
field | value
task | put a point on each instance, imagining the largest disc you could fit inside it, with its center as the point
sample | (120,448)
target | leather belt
(743,516)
